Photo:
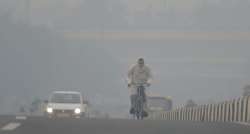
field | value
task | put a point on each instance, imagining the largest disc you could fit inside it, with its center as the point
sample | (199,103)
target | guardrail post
(209,112)
(199,114)
(206,112)
(219,112)
(196,111)
(218,115)
(231,111)
(175,116)
(181,114)
(193,113)
(169,115)
(236,113)
(224,111)
(228,106)
(214,112)
(185,114)
(189,113)
(197,117)
(172,115)
(203,113)
(237,110)
(248,109)
(245,110)
(241,107)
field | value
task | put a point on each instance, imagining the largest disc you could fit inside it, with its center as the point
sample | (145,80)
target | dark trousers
(134,97)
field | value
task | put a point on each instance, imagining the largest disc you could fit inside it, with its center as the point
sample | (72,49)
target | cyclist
(138,74)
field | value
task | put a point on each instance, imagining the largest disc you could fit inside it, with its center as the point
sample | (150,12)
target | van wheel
(83,115)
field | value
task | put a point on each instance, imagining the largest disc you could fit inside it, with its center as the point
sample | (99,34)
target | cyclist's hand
(129,85)
(148,84)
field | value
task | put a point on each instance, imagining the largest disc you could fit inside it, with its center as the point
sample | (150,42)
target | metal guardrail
(237,110)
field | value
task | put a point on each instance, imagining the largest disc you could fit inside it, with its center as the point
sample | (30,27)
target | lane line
(21,117)
(244,123)
(11,126)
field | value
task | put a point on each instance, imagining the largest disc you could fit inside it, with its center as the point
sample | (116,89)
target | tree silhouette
(246,90)
(190,103)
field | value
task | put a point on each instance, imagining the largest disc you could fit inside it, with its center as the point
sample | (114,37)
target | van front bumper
(63,113)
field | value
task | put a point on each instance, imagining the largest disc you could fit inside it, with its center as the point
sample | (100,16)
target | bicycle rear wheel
(139,111)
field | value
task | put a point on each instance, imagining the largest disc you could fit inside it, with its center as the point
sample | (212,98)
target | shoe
(132,111)
(145,114)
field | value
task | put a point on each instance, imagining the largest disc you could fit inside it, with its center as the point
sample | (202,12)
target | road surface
(39,125)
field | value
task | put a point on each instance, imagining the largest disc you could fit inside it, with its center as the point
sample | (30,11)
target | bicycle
(139,102)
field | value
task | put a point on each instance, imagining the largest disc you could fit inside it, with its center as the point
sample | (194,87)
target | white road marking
(11,126)
(21,117)
(244,123)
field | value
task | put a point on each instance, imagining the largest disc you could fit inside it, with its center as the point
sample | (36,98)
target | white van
(65,104)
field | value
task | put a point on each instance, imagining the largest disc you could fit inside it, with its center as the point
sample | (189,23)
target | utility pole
(28,11)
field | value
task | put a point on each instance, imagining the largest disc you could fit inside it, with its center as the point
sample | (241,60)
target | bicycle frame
(139,103)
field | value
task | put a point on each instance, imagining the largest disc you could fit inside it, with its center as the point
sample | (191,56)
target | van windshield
(65,98)
(159,103)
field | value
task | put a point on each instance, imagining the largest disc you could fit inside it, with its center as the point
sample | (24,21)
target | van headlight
(49,110)
(77,111)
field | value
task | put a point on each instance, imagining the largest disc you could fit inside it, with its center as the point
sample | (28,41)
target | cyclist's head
(140,62)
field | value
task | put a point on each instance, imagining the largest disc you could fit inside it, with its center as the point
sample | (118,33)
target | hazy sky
(135,14)
(197,49)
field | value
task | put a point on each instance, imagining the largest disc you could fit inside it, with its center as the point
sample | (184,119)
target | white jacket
(137,75)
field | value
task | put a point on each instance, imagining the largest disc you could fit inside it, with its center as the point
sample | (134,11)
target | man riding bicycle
(138,74)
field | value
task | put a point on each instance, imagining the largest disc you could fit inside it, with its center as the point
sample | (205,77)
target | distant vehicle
(65,104)
(159,103)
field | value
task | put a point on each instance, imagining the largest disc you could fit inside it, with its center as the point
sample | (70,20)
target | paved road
(35,125)
(5,119)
